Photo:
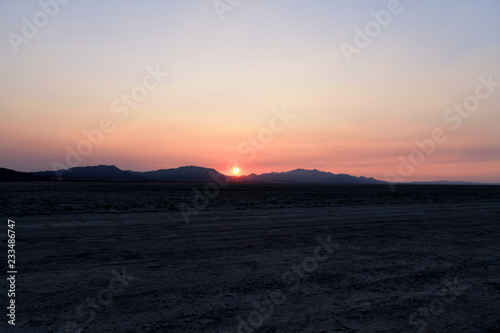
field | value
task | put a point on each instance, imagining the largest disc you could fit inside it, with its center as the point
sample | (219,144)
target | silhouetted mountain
(99,172)
(111,172)
(11,175)
(308,176)
(200,174)
(182,174)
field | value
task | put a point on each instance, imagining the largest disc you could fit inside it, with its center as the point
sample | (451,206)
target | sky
(395,90)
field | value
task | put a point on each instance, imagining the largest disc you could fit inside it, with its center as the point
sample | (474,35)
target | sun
(236,171)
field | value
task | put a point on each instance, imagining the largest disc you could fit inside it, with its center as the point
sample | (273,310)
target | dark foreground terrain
(109,257)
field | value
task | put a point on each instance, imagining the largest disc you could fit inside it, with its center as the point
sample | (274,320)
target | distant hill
(308,176)
(99,172)
(182,174)
(201,175)
(11,175)
(111,172)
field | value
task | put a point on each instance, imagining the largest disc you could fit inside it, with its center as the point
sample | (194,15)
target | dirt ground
(422,267)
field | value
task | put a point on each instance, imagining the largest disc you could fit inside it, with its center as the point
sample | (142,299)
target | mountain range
(195,174)
(182,174)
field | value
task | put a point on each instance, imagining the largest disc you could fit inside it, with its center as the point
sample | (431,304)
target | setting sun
(236,171)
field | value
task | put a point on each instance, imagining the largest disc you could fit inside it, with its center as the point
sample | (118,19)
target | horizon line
(269,172)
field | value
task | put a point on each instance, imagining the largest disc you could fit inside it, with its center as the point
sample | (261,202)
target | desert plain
(120,257)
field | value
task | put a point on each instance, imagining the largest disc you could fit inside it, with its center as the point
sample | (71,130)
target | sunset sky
(232,69)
